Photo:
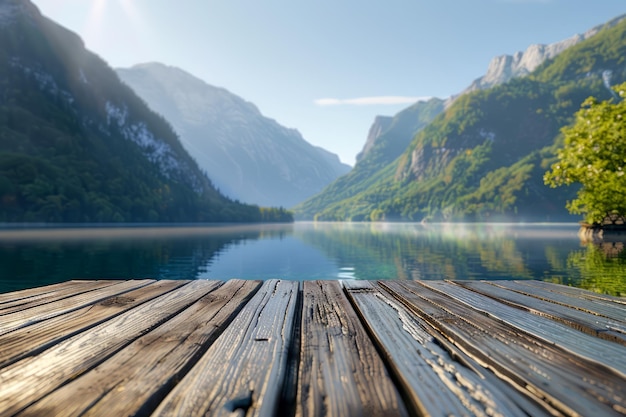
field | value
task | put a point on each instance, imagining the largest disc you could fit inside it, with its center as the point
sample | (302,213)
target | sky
(326,67)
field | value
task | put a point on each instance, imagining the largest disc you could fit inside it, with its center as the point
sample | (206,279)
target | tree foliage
(594,155)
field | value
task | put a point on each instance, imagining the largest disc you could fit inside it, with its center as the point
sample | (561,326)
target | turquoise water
(301,251)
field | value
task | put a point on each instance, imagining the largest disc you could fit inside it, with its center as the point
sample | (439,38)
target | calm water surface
(302,251)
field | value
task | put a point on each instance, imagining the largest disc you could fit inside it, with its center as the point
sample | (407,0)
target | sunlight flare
(97,11)
(109,13)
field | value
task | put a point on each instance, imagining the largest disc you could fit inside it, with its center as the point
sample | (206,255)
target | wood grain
(137,378)
(30,379)
(427,348)
(341,373)
(578,299)
(584,321)
(12,321)
(33,339)
(536,368)
(578,293)
(243,372)
(435,383)
(13,296)
(57,293)
(586,347)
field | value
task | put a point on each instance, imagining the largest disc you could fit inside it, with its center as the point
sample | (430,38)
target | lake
(32,257)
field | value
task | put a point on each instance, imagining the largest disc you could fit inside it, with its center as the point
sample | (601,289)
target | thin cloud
(368,101)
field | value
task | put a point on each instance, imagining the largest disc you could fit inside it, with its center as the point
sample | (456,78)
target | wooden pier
(315,348)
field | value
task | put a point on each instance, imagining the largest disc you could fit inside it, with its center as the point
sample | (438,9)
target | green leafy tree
(594,155)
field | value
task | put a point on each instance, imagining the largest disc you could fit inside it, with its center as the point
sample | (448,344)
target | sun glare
(129,9)
(97,11)
(103,23)
(99,8)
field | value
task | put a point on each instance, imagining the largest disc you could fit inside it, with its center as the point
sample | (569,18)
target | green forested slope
(76,145)
(387,147)
(484,157)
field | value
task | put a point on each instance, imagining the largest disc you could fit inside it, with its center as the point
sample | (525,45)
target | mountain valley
(481,156)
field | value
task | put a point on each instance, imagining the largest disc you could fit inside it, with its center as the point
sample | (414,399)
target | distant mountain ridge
(505,67)
(249,157)
(501,69)
(77,145)
(483,156)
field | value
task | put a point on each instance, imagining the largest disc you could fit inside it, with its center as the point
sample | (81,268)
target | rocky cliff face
(505,67)
(387,139)
(249,157)
(380,125)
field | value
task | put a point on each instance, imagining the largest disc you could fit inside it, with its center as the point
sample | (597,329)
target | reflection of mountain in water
(48,256)
(313,251)
(446,251)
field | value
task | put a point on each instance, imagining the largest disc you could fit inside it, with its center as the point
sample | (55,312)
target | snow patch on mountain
(157,151)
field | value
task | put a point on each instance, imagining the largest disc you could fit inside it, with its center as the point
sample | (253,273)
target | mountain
(249,157)
(380,125)
(77,145)
(483,157)
(505,67)
(501,70)
(387,139)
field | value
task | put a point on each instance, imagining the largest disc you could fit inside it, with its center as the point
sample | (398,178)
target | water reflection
(601,267)
(442,251)
(34,257)
(550,252)
(276,256)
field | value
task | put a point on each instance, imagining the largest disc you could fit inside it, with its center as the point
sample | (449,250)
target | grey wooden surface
(314,348)
(341,372)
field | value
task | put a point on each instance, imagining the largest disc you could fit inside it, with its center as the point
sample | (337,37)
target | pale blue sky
(286,56)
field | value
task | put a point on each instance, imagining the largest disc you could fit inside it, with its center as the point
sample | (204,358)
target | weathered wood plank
(341,373)
(598,326)
(30,379)
(578,293)
(585,301)
(244,370)
(33,292)
(435,382)
(57,292)
(470,348)
(18,319)
(536,368)
(31,340)
(602,352)
(137,377)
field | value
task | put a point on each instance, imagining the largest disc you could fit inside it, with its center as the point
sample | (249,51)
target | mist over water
(305,251)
